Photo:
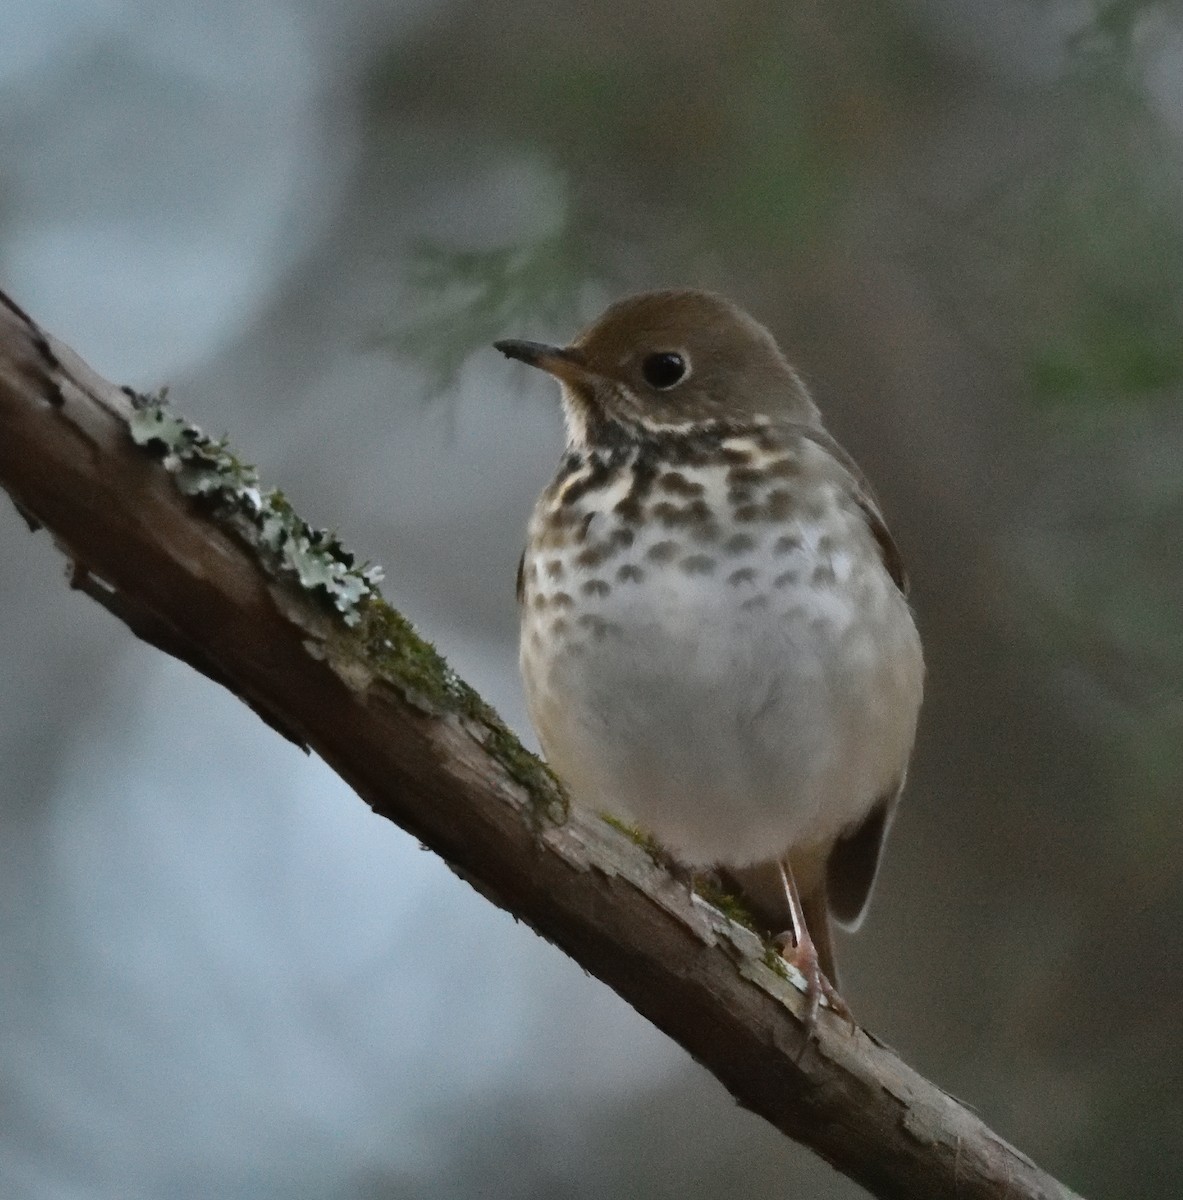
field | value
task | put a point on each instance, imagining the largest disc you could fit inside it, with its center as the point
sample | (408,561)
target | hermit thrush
(715,641)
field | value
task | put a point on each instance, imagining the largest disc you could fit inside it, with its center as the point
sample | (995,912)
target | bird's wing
(868,505)
(854,863)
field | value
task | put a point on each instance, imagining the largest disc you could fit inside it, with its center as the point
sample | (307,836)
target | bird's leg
(803,955)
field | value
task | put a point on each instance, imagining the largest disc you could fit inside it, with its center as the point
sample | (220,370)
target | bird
(716,644)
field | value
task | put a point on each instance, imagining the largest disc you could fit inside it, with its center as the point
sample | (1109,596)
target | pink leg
(802,954)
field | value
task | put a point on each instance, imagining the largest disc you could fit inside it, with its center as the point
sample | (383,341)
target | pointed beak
(563,362)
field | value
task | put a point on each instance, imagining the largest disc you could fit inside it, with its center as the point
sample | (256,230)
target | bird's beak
(563,362)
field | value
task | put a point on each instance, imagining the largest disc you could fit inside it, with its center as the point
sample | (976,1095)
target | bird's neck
(615,441)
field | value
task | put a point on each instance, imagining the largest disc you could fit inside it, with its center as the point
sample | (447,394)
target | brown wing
(854,863)
(892,559)
(520,586)
(864,497)
(854,860)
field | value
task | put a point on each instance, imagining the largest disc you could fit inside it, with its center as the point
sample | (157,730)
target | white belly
(732,716)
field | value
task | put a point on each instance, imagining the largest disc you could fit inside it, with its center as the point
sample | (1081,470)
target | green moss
(385,640)
(774,961)
(732,907)
(647,843)
(378,638)
(550,800)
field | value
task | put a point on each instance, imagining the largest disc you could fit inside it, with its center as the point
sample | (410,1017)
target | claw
(796,948)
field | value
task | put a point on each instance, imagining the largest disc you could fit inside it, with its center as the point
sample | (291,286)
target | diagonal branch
(173,536)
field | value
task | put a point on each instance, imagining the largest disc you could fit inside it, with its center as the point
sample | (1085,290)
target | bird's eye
(664,369)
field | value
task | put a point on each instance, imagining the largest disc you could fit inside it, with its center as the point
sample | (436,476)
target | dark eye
(663,370)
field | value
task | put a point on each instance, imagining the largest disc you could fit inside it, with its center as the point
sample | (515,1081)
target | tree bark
(193,563)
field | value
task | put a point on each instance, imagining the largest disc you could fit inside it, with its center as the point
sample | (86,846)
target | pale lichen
(377,639)
(205,468)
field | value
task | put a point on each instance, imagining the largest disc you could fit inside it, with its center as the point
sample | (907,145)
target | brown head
(670,360)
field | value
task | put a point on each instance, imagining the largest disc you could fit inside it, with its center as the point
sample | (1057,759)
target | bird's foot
(803,956)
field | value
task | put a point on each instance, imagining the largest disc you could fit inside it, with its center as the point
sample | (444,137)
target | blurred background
(221,975)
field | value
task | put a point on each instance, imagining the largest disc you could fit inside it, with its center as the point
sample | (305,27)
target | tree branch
(174,537)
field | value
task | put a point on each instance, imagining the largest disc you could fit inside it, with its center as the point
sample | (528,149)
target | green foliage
(1106,245)
(1111,245)
(1106,43)
(1113,349)
(723,141)
(465,299)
